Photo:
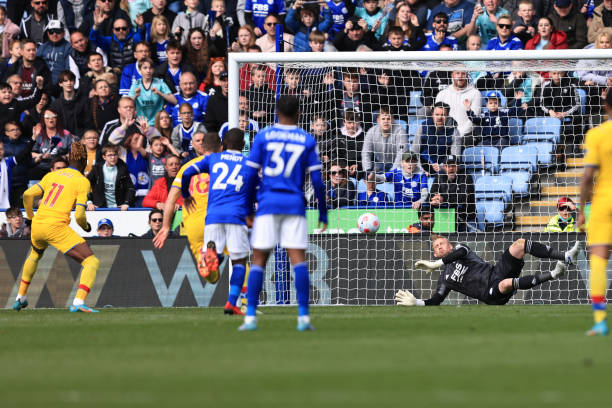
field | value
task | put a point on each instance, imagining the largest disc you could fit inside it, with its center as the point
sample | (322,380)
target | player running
(193,219)
(227,211)
(597,164)
(465,272)
(284,153)
(60,191)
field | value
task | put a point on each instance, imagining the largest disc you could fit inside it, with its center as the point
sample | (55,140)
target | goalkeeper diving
(466,273)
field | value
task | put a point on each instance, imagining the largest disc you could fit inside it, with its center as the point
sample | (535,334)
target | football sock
(529,281)
(88,276)
(29,269)
(236,281)
(302,287)
(254,285)
(598,284)
(282,276)
(540,250)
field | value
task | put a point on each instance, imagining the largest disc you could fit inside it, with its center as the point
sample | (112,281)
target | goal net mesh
(483,152)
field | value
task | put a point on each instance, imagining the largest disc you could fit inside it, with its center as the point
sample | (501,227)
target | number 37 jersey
(227,196)
(284,153)
(62,189)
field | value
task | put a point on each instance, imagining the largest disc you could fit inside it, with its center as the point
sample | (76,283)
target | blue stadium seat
(481,159)
(515,130)
(388,189)
(403,124)
(415,102)
(542,129)
(493,196)
(545,153)
(413,126)
(583,100)
(361,185)
(519,163)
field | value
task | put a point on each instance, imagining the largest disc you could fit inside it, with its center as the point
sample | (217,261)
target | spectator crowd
(139,82)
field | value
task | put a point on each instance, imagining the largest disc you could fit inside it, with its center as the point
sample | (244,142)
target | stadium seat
(515,130)
(415,102)
(545,153)
(519,163)
(542,129)
(493,196)
(413,126)
(481,159)
(361,184)
(389,189)
(403,124)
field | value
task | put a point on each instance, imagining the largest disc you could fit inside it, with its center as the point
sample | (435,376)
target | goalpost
(515,164)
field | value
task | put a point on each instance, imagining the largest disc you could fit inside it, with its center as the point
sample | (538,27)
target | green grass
(476,356)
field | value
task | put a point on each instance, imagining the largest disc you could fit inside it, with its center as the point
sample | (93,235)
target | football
(368,223)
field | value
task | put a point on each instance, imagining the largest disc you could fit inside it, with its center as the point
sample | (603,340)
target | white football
(368,223)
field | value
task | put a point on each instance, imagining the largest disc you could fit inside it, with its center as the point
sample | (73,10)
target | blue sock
(236,281)
(254,288)
(302,287)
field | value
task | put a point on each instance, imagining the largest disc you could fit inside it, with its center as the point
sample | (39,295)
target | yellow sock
(598,281)
(88,276)
(29,269)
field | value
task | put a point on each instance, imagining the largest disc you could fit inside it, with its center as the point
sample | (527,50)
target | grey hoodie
(385,151)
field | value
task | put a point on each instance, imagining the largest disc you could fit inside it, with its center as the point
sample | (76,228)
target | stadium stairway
(532,216)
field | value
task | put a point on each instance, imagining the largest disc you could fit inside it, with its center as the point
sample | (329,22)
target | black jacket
(125,193)
(21,149)
(161,71)
(40,68)
(457,194)
(343,43)
(216,112)
(106,28)
(13,109)
(73,113)
(99,115)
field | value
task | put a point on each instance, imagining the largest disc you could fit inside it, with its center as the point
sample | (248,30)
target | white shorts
(235,236)
(290,231)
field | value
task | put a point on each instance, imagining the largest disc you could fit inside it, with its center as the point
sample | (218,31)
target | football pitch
(468,356)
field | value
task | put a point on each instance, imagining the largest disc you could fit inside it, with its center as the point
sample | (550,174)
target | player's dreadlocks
(78,156)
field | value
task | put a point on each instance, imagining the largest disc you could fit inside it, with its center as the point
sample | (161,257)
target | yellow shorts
(60,236)
(599,231)
(195,236)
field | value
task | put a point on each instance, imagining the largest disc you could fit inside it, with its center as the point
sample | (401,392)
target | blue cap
(105,221)
(494,94)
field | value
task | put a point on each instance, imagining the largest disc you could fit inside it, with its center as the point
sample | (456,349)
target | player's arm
(28,200)
(591,165)
(406,298)
(194,169)
(173,195)
(319,190)
(428,266)
(81,205)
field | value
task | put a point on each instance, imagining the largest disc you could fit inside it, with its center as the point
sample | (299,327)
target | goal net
(482,147)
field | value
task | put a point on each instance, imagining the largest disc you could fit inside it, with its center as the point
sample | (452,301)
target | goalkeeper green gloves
(429,266)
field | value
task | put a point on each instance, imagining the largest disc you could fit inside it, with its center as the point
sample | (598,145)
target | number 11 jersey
(62,189)
(284,153)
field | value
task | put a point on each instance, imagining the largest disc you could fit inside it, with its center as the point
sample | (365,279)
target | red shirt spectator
(157,195)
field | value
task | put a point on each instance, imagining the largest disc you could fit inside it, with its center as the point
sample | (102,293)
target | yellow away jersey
(598,144)
(62,189)
(198,190)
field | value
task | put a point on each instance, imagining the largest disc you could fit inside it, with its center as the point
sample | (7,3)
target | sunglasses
(50,116)
(106,1)
(156,219)
(441,21)
(38,3)
(122,28)
(336,173)
(506,26)
(270,24)
(564,208)
(55,31)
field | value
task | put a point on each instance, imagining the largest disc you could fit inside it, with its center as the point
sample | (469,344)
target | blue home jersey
(262,8)
(129,75)
(227,196)
(512,44)
(432,45)
(374,200)
(407,190)
(284,153)
(160,51)
(340,16)
(198,102)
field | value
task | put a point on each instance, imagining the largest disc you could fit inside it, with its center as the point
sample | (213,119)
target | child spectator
(559,99)
(488,22)
(15,146)
(246,125)
(245,73)
(371,198)
(70,105)
(439,35)
(223,29)
(106,228)
(172,70)
(409,182)
(130,73)
(565,220)
(103,105)
(110,182)
(316,41)
(340,190)
(159,36)
(255,12)
(374,16)
(493,122)
(525,25)
(350,142)
(326,143)
(261,97)
(308,17)
(341,11)
(505,40)
(14,227)
(160,149)
(97,70)
(246,38)
(426,221)
(211,83)
(134,156)
(413,37)
(14,50)
(196,52)
(188,19)
(163,124)
(474,43)
(182,134)
(10,32)
(150,93)
(547,37)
